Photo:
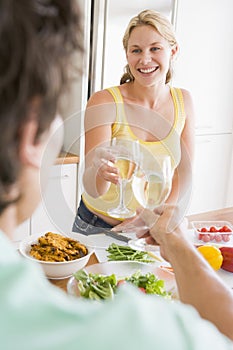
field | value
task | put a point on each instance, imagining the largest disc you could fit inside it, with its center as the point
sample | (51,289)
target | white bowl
(58,270)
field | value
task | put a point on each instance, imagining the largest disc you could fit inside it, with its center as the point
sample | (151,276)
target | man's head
(37,40)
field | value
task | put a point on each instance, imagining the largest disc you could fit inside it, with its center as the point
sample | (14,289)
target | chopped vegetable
(149,282)
(120,252)
(97,287)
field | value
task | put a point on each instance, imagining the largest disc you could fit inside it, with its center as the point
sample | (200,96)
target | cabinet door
(210,174)
(229,196)
(204,65)
(57,210)
(22,231)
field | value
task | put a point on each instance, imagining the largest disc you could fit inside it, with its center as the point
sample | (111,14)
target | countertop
(67,158)
(225,214)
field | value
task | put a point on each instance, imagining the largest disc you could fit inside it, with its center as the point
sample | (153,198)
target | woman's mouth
(147,70)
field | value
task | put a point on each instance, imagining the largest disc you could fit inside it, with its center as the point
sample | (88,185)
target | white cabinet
(211,169)
(22,231)
(204,66)
(57,209)
(229,197)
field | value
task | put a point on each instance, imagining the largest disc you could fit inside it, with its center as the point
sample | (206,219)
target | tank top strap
(179,106)
(115,92)
(120,111)
(120,128)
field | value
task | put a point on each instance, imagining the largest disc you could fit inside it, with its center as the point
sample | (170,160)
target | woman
(143,107)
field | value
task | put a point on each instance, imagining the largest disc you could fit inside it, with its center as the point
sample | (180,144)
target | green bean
(117,252)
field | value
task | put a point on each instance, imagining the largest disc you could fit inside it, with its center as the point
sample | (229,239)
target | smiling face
(149,55)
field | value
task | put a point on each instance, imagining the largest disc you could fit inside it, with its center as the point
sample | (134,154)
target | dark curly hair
(37,41)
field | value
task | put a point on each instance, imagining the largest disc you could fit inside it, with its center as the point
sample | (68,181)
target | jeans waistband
(86,215)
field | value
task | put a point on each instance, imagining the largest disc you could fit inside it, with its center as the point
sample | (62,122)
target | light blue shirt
(35,315)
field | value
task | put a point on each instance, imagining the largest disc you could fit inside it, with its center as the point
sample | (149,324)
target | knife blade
(116,235)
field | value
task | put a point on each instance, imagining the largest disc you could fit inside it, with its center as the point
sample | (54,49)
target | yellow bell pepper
(212,254)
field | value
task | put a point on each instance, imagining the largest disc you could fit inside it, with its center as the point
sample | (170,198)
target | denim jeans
(88,223)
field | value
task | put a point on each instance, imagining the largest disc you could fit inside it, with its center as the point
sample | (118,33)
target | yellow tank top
(169,145)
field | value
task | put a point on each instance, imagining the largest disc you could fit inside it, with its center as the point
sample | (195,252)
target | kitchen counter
(67,158)
(225,214)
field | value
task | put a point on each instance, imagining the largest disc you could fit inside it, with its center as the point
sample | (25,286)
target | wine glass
(127,154)
(151,186)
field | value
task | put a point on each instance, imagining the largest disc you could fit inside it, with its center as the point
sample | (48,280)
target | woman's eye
(136,51)
(155,48)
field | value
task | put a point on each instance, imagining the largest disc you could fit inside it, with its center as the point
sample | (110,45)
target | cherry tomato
(226,238)
(200,236)
(218,238)
(206,238)
(226,229)
(212,235)
(204,229)
(213,229)
(120,283)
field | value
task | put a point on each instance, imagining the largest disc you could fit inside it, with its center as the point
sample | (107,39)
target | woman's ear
(30,149)
(174,51)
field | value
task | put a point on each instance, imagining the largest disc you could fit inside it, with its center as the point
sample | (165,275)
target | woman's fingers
(103,161)
(109,172)
(128,225)
(140,224)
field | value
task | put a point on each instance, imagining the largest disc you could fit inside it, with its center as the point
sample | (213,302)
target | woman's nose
(145,58)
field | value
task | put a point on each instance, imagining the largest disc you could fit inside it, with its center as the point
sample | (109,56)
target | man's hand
(170,224)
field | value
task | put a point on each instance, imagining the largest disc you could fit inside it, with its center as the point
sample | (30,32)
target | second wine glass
(151,186)
(127,154)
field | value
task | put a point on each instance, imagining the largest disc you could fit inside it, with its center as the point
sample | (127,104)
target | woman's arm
(99,170)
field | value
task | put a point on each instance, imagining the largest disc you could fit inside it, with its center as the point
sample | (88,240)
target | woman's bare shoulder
(188,105)
(99,98)
(187,96)
(100,109)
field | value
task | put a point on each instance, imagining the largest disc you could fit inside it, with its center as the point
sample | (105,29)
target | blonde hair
(161,24)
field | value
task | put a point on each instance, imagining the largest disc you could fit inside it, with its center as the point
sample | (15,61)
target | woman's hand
(103,161)
(100,172)
(140,223)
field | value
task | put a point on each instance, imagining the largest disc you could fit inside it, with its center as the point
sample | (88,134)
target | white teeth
(147,70)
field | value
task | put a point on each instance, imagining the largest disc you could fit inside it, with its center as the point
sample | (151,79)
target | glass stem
(122,191)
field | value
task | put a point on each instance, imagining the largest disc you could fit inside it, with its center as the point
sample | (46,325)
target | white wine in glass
(126,167)
(151,186)
(127,154)
(151,190)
